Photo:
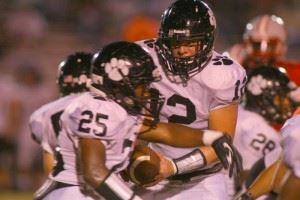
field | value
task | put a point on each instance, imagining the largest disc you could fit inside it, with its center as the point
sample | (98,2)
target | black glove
(228,155)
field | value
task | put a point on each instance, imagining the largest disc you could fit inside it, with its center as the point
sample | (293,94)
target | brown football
(144,165)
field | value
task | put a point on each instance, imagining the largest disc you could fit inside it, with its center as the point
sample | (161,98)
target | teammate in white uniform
(282,177)
(202,90)
(99,128)
(267,101)
(72,79)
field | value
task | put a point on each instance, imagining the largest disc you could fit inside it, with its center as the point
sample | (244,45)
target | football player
(99,128)
(202,90)
(73,78)
(267,101)
(265,42)
(282,177)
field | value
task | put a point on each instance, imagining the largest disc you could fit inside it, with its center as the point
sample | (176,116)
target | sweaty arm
(272,178)
(224,120)
(95,173)
(176,135)
(221,120)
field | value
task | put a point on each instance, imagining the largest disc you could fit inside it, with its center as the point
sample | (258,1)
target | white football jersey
(99,118)
(45,122)
(291,143)
(254,137)
(219,84)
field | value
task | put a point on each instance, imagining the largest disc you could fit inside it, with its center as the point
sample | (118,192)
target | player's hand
(228,155)
(167,167)
(166,170)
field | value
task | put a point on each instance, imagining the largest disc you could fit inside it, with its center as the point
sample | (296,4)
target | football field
(11,195)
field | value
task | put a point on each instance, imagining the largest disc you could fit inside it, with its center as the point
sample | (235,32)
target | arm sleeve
(226,82)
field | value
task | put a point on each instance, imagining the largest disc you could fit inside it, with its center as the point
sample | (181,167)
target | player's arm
(290,190)
(224,120)
(272,178)
(95,173)
(179,135)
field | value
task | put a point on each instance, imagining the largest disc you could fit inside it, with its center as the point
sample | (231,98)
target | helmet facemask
(275,106)
(136,96)
(184,67)
(265,51)
(123,71)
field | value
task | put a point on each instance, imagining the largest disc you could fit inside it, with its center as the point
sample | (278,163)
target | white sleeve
(291,145)
(226,82)
(36,127)
(39,130)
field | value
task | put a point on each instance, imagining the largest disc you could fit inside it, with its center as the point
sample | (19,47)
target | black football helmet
(268,93)
(119,69)
(186,22)
(73,74)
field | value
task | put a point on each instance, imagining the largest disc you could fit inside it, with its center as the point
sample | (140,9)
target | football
(144,165)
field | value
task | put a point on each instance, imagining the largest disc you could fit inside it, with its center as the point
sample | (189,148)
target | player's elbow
(89,179)
(93,178)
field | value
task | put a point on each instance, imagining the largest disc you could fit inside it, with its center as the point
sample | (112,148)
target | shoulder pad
(222,73)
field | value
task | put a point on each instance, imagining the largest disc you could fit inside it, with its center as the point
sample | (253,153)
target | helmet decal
(257,84)
(117,69)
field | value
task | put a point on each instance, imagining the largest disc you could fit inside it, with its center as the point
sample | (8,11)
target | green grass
(9,195)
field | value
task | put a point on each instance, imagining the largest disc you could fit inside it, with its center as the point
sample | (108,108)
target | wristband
(190,162)
(113,188)
(209,136)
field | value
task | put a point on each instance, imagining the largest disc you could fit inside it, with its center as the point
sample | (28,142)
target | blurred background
(36,35)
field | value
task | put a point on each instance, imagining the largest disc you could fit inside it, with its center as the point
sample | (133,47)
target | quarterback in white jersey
(202,90)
